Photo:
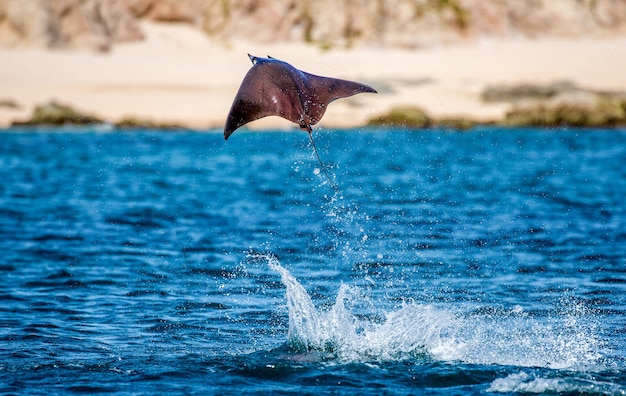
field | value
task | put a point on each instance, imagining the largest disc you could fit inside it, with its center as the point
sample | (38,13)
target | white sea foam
(523,382)
(446,334)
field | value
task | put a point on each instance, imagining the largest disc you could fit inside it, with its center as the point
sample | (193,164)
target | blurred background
(179,62)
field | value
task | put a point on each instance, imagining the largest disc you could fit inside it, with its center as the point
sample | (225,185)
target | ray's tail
(322,167)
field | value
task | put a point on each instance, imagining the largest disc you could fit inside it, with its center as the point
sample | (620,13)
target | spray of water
(423,331)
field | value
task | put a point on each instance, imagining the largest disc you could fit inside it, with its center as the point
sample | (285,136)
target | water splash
(424,331)
(516,338)
(411,331)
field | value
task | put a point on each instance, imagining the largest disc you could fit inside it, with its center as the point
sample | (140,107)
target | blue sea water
(491,261)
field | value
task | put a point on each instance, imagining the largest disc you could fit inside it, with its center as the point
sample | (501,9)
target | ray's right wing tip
(369,89)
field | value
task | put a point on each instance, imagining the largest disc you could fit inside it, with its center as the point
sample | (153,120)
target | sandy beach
(179,75)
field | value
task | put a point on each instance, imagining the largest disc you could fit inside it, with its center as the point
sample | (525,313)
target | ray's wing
(324,90)
(267,90)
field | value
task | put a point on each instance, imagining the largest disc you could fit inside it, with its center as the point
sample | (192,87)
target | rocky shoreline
(558,104)
(177,77)
(55,114)
(178,63)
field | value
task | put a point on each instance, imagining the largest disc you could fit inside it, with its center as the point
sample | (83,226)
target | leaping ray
(275,88)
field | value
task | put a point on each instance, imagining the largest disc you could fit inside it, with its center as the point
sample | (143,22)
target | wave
(564,339)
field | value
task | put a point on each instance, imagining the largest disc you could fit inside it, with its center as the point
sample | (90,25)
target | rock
(415,117)
(402,116)
(407,23)
(9,104)
(508,93)
(582,109)
(559,104)
(608,112)
(142,123)
(132,122)
(546,18)
(328,23)
(460,124)
(23,23)
(84,24)
(54,113)
(189,11)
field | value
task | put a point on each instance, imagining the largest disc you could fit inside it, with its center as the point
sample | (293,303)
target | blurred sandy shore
(178,75)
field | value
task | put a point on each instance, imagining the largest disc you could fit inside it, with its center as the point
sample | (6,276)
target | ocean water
(491,261)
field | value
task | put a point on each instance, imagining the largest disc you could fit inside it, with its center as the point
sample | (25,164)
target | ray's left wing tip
(228,130)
